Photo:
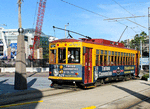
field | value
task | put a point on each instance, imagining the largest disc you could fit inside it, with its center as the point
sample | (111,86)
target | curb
(29,95)
(23,92)
(9,98)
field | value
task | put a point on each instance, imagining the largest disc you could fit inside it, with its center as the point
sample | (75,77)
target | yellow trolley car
(89,61)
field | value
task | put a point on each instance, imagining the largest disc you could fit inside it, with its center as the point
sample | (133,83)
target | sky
(59,13)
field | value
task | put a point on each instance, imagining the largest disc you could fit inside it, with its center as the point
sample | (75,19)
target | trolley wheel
(130,76)
(102,82)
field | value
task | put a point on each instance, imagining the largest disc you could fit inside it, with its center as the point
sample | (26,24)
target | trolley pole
(20,68)
(149,38)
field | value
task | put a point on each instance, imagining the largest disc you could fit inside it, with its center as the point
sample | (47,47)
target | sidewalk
(34,81)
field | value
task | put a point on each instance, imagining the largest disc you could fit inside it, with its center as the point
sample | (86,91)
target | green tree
(122,42)
(135,43)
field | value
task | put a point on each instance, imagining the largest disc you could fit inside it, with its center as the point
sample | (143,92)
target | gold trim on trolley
(65,78)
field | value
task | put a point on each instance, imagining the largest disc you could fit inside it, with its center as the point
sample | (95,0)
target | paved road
(35,81)
(122,94)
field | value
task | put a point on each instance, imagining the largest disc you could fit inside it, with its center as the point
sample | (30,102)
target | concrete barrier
(28,69)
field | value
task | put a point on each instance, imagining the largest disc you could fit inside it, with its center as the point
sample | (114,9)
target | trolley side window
(105,60)
(61,55)
(101,60)
(97,58)
(52,56)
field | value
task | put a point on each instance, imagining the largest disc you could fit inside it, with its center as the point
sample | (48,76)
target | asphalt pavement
(35,81)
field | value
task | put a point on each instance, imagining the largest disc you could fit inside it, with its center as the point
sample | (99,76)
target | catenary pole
(141,54)
(20,68)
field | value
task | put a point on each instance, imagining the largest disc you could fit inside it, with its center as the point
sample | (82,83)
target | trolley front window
(73,55)
(61,55)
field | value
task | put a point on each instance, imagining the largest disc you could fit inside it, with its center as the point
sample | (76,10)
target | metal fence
(29,63)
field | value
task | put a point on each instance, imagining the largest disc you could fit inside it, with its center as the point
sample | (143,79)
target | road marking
(91,107)
(21,104)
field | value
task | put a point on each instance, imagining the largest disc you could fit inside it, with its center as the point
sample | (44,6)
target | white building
(9,39)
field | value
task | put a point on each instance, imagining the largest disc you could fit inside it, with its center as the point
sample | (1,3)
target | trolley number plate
(61,75)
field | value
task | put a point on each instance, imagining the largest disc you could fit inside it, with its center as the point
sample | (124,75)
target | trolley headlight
(61,67)
(55,72)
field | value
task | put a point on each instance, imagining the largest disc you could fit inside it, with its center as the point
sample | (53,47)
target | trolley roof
(93,41)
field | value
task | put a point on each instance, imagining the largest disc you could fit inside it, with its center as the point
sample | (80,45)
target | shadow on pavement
(145,84)
(138,95)
(32,74)
(31,82)
(1,82)
(6,88)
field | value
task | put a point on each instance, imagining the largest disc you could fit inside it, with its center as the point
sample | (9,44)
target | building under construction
(8,46)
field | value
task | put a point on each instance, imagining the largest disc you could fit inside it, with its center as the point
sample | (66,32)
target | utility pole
(141,54)
(149,38)
(65,29)
(20,68)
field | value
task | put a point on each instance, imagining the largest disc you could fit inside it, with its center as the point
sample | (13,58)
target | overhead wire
(131,14)
(95,13)
(90,11)
(122,7)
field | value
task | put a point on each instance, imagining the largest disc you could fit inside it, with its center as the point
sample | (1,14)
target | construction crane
(39,23)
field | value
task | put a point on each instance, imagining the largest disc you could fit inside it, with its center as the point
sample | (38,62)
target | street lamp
(20,68)
(65,29)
